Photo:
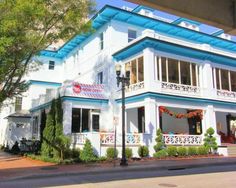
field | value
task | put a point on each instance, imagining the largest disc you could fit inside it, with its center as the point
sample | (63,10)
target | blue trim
(108,13)
(179,20)
(172,48)
(73,99)
(36,82)
(217,33)
(140,7)
(141,97)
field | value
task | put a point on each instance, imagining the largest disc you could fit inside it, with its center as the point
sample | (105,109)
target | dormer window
(132,34)
(51,65)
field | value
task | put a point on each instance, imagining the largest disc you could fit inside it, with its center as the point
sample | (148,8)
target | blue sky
(120,3)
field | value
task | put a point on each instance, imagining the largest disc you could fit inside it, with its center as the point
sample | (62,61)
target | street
(205,177)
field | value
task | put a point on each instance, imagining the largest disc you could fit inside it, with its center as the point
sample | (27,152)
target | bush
(15,148)
(159,141)
(202,150)
(160,154)
(171,150)
(128,153)
(111,153)
(210,140)
(75,153)
(143,151)
(2,147)
(87,154)
(192,150)
(182,151)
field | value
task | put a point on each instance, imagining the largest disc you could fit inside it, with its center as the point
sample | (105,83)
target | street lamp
(124,80)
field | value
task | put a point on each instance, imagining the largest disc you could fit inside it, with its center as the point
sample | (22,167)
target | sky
(120,3)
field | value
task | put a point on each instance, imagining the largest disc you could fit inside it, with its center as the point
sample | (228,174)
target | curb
(116,169)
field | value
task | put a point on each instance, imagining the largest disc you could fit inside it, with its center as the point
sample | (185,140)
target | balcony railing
(180,88)
(79,138)
(131,139)
(135,87)
(226,94)
(177,139)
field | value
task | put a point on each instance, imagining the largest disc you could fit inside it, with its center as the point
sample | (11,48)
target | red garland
(192,114)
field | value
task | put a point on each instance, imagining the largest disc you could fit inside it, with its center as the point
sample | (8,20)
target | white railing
(135,87)
(79,138)
(180,139)
(131,139)
(185,89)
(226,94)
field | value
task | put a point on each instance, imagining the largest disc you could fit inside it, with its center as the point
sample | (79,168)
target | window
(18,104)
(233,80)
(100,78)
(80,120)
(173,71)
(101,38)
(95,122)
(176,71)
(136,72)
(141,120)
(51,65)
(185,73)
(132,34)
(225,79)
(35,125)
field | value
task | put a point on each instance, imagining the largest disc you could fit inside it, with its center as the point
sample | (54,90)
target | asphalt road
(204,177)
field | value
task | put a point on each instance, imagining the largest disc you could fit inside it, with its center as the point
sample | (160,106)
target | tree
(49,133)
(209,140)
(160,145)
(28,27)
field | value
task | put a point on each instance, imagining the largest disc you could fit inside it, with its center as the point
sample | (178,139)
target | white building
(182,81)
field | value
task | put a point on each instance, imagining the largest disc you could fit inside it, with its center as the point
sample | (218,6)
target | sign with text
(88,90)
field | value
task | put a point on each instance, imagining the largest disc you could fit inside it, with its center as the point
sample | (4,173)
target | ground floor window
(83,120)
(35,125)
(141,120)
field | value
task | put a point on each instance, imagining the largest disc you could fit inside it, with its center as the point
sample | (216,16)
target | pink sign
(89,90)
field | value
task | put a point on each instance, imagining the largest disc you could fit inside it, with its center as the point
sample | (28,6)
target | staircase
(231,150)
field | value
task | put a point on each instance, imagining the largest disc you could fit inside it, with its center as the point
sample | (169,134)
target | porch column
(149,64)
(210,121)
(150,124)
(67,117)
(206,81)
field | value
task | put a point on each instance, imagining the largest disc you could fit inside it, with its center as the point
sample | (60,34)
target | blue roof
(168,47)
(108,13)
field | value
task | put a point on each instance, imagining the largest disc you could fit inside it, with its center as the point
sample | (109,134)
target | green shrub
(203,150)
(128,153)
(2,147)
(111,153)
(160,154)
(87,154)
(159,141)
(171,150)
(210,140)
(192,150)
(102,158)
(143,151)
(75,153)
(182,151)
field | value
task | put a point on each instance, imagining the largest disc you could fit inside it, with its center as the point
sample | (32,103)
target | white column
(150,124)
(210,121)
(207,80)
(67,117)
(149,65)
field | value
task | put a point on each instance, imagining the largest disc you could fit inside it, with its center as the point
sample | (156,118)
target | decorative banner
(88,90)
(195,113)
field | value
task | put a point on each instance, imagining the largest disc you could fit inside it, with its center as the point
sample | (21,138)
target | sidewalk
(19,167)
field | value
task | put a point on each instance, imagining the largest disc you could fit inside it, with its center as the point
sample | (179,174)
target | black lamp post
(124,80)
